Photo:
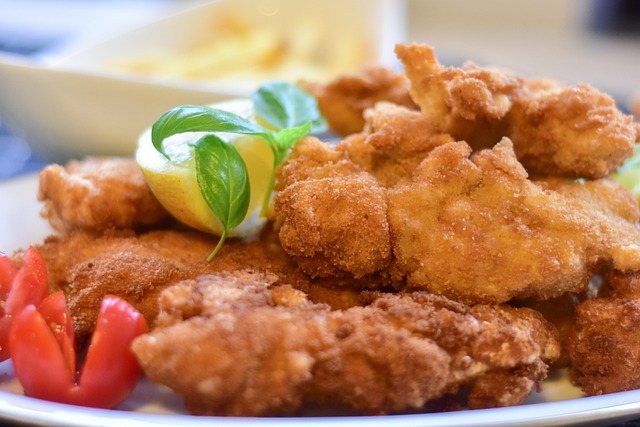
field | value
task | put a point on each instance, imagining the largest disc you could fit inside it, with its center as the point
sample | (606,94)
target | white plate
(559,404)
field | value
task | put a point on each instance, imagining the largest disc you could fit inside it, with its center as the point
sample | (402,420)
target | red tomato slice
(37,360)
(55,313)
(8,271)
(41,344)
(111,370)
(30,285)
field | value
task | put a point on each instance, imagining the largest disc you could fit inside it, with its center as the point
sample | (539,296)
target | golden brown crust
(332,227)
(332,217)
(98,194)
(137,267)
(512,238)
(470,102)
(344,100)
(604,344)
(556,130)
(570,131)
(395,354)
(470,226)
(395,141)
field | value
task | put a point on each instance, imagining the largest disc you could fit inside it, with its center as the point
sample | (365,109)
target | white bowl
(79,102)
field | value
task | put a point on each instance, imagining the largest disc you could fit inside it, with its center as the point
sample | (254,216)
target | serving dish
(558,404)
(82,100)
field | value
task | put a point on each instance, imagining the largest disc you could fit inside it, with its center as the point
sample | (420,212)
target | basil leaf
(283,105)
(195,118)
(224,182)
(288,137)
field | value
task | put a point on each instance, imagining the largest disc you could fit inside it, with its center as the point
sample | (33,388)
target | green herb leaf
(220,170)
(194,118)
(224,182)
(284,105)
(287,138)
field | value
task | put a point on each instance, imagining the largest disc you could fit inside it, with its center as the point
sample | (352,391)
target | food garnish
(36,331)
(283,115)
(44,356)
(19,288)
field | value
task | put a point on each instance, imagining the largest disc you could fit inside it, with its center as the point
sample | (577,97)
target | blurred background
(574,41)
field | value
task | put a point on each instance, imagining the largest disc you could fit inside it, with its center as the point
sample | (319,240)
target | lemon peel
(174,182)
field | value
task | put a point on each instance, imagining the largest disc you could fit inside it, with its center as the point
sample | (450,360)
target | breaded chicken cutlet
(98,194)
(571,131)
(138,266)
(576,132)
(344,100)
(473,228)
(394,354)
(604,343)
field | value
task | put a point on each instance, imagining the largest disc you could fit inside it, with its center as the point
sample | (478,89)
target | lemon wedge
(174,183)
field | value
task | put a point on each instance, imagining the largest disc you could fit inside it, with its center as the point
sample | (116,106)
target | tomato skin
(55,313)
(19,288)
(8,271)
(30,284)
(37,360)
(36,330)
(111,370)
(39,343)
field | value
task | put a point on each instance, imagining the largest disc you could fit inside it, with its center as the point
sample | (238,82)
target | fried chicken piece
(564,131)
(330,206)
(333,227)
(399,352)
(503,387)
(510,237)
(561,313)
(138,267)
(98,194)
(604,345)
(613,217)
(394,142)
(344,100)
(470,102)
(488,391)
(477,230)
(570,131)
(332,217)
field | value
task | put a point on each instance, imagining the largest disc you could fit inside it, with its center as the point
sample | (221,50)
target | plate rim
(610,408)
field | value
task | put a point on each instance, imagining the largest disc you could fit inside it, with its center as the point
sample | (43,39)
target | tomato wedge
(19,288)
(44,357)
